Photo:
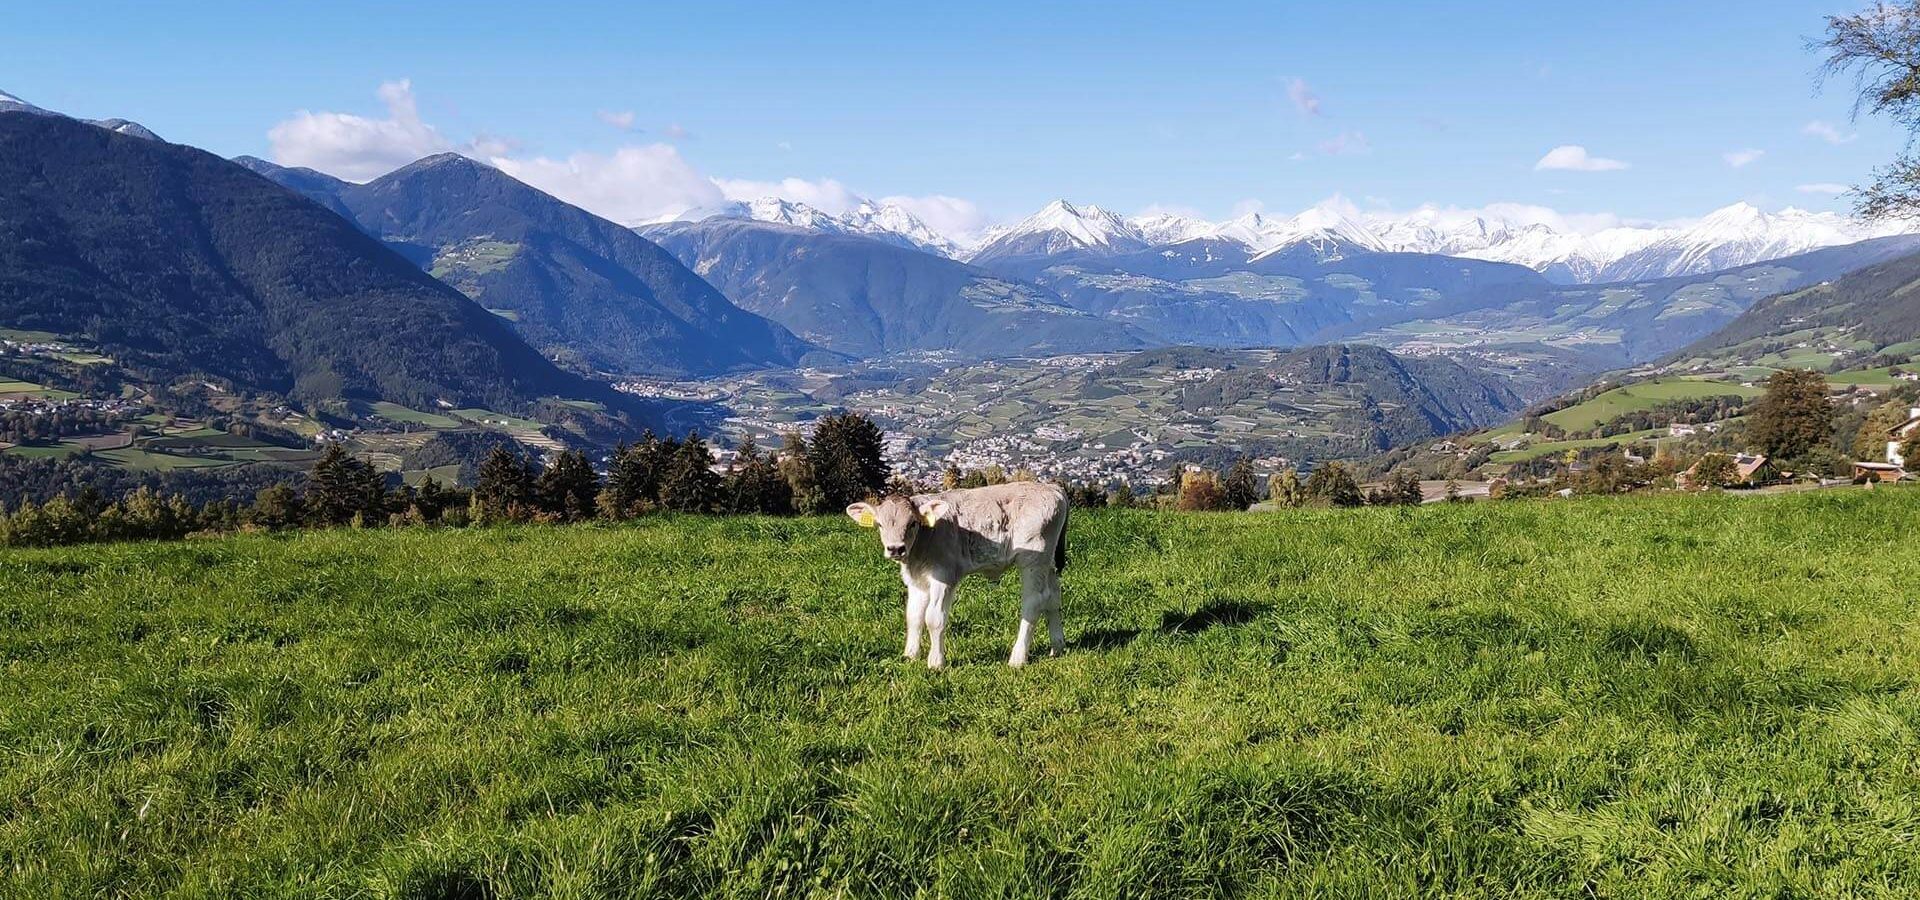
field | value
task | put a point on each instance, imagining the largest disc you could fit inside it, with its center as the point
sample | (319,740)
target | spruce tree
(690,484)
(504,489)
(566,491)
(341,487)
(755,484)
(796,467)
(848,460)
(1241,490)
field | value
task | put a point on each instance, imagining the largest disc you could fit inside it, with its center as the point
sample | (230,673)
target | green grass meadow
(1647,696)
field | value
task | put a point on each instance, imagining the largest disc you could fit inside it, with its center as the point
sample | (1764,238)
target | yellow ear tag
(867,520)
(930,519)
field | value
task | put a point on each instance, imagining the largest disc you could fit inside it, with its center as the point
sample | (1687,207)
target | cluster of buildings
(47,406)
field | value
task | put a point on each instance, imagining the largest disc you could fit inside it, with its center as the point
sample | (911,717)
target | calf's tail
(1060,543)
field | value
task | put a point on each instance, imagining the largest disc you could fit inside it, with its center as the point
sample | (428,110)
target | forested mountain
(1216,292)
(1633,322)
(580,288)
(865,297)
(177,262)
(1870,309)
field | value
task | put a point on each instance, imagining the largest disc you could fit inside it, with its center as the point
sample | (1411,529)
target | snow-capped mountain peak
(886,222)
(1171,228)
(788,212)
(1086,226)
(11,103)
(889,219)
(1062,227)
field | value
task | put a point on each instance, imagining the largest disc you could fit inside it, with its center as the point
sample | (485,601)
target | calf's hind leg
(1034,593)
(1055,630)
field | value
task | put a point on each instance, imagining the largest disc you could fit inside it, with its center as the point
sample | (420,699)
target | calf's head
(898,520)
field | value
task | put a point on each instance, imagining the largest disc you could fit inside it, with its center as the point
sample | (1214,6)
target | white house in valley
(1900,434)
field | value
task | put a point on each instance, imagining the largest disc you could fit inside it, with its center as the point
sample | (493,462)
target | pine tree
(277,507)
(755,484)
(504,489)
(629,483)
(796,466)
(1241,490)
(341,487)
(690,484)
(566,491)
(847,455)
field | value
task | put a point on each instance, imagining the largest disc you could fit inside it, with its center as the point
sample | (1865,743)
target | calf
(939,539)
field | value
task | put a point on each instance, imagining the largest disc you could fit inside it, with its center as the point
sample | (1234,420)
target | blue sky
(1001,106)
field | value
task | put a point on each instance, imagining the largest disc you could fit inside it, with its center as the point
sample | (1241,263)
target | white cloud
(1346,143)
(635,184)
(632,185)
(1742,158)
(826,195)
(1574,158)
(1823,187)
(1248,207)
(953,217)
(1303,97)
(354,147)
(676,133)
(1517,215)
(1826,131)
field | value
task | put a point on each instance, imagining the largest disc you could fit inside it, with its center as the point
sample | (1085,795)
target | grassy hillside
(1640,395)
(1625,697)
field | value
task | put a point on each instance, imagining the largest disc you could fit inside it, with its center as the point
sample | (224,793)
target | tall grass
(1631,697)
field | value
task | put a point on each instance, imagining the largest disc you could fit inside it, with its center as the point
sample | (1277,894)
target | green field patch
(138,458)
(1273,288)
(209,439)
(445,475)
(59,450)
(30,337)
(1643,395)
(394,412)
(1651,696)
(493,419)
(1549,448)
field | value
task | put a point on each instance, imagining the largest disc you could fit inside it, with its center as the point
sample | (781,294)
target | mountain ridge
(178,262)
(581,288)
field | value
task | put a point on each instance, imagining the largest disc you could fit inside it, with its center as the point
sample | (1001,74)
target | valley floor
(1641,696)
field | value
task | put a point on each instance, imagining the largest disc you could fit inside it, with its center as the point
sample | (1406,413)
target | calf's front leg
(916,618)
(939,595)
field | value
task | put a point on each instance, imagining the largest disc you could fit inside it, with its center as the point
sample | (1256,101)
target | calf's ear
(863,514)
(932,511)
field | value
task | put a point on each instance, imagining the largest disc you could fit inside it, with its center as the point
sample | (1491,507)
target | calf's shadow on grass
(1215,614)
(1174,623)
